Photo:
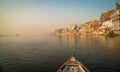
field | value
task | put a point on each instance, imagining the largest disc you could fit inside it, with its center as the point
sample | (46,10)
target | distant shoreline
(107,25)
(9,35)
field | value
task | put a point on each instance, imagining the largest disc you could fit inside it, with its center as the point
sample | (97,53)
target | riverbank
(106,25)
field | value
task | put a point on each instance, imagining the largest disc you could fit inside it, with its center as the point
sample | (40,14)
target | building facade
(115,17)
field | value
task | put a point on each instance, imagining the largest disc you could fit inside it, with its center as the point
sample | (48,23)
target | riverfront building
(111,19)
(115,17)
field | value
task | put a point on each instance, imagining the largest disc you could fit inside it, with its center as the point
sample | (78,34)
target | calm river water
(48,53)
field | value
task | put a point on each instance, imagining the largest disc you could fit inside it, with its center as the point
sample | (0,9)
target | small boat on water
(72,65)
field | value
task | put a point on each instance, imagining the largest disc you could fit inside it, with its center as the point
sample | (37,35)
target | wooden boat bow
(72,65)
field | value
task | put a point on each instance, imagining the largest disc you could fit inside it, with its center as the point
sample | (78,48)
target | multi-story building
(115,17)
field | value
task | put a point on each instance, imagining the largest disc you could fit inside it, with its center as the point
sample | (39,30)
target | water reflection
(78,41)
(89,41)
(108,44)
(47,54)
(99,53)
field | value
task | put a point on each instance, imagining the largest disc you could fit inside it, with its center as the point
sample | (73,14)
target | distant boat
(17,35)
(72,65)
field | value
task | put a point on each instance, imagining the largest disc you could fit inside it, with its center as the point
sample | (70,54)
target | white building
(107,24)
(115,17)
(112,20)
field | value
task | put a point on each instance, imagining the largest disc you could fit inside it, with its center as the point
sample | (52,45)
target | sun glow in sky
(44,16)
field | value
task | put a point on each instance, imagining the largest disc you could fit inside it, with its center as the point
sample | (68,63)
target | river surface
(48,53)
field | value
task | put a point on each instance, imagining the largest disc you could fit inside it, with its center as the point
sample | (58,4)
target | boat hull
(72,65)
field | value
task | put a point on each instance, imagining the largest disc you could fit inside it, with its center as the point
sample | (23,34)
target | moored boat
(72,65)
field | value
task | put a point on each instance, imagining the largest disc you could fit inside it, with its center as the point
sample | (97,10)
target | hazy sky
(44,16)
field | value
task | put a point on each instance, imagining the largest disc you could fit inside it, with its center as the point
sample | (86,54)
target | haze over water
(34,50)
(48,53)
(44,16)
